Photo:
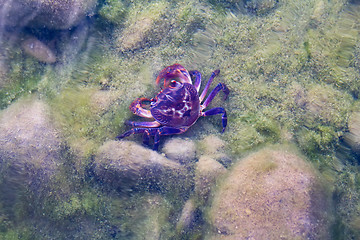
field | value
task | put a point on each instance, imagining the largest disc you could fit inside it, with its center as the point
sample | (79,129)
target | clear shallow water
(66,84)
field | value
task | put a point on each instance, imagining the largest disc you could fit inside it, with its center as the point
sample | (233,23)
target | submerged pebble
(207,172)
(180,150)
(187,217)
(30,147)
(124,165)
(37,49)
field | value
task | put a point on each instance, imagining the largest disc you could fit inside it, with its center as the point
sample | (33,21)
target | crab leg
(131,132)
(165,131)
(213,75)
(215,111)
(156,132)
(143,124)
(216,90)
(197,82)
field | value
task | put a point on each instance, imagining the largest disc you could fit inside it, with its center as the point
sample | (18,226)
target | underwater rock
(35,48)
(125,164)
(215,147)
(55,14)
(153,224)
(325,103)
(180,150)
(187,217)
(206,173)
(352,138)
(271,194)
(143,28)
(141,216)
(260,6)
(30,148)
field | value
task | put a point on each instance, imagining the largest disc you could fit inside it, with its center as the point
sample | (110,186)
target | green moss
(311,141)
(332,48)
(83,124)
(88,203)
(113,11)
(24,74)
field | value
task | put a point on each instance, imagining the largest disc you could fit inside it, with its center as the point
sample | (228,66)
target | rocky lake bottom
(286,166)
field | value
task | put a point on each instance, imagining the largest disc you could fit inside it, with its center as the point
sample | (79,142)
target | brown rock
(37,49)
(272,194)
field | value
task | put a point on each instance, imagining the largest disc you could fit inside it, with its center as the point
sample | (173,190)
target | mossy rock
(270,194)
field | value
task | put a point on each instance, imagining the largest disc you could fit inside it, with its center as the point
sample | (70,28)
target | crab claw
(137,107)
(173,72)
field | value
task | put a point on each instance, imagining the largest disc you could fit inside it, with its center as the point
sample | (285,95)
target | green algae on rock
(53,14)
(180,150)
(113,11)
(271,193)
(141,23)
(30,145)
(125,165)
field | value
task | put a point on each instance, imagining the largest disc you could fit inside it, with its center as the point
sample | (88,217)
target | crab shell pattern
(177,106)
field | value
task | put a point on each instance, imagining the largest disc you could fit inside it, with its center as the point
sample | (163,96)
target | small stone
(180,150)
(125,164)
(144,27)
(206,173)
(215,147)
(37,49)
(212,144)
(187,217)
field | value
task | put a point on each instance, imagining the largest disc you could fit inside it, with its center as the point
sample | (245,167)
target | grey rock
(187,217)
(30,147)
(206,173)
(180,150)
(124,164)
(52,14)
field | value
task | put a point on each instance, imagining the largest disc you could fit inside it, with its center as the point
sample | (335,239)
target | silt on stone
(53,14)
(30,147)
(207,171)
(180,150)
(271,194)
(125,165)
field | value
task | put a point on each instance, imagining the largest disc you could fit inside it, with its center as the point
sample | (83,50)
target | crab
(177,106)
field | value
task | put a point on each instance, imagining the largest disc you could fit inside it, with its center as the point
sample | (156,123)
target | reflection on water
(70,69)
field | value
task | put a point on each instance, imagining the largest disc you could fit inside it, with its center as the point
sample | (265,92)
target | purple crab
(177,106)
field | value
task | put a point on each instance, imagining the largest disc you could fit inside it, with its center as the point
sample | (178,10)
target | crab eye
(172,83)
